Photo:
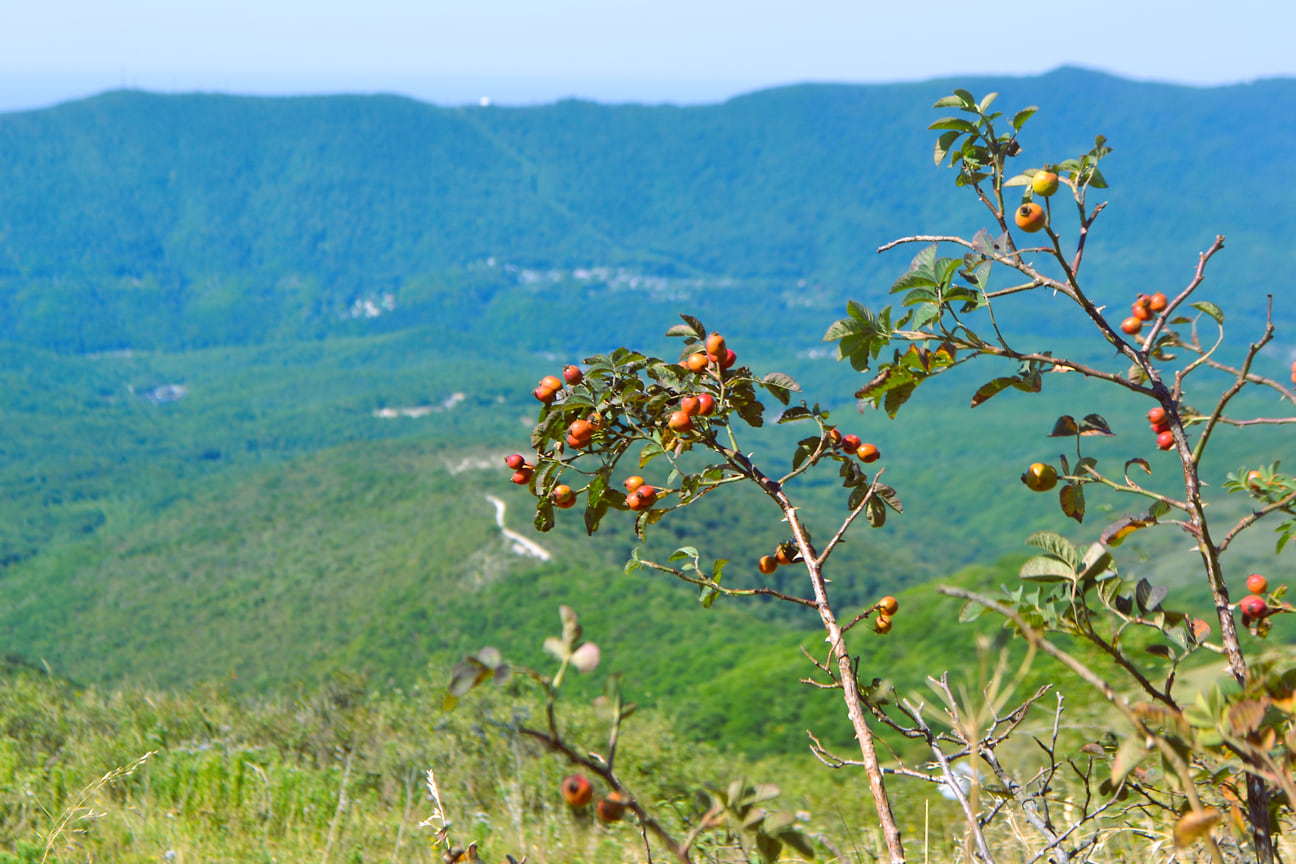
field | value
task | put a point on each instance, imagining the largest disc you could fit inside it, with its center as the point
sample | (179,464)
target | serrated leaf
(544,518)
(1018,180)
(970,611)
(1209,309)
(949,102)
(969,101)
(699,329)
(682,330)
(1046,568)
(1056,545)
(889,496)
(780,385)
(796,412)
(1097,560)
(875,512)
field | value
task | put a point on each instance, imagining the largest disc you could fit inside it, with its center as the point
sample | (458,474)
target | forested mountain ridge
(141,220)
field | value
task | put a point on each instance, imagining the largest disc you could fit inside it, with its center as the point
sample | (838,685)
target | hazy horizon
(670,51)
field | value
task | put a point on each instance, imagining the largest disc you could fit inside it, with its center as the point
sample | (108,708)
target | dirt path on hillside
(521,545)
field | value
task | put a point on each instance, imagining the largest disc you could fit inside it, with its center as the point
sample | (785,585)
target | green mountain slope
(133,219)
(299,272)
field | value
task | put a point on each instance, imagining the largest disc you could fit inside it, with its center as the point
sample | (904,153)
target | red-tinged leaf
(1065,427)
(1115,533)
(1072,500)
(991,389)
(1095,424)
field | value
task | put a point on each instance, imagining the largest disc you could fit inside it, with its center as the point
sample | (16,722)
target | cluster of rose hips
(522,469)
(1160,424)
(784,554)
(690,406)
(1254,607)
(853,445)
(717,355)
(578,792)
(1030,217)
(640,496)
(1145,306)
(886,609)
(549,385)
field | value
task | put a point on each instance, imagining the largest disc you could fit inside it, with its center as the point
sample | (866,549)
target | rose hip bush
(640,438)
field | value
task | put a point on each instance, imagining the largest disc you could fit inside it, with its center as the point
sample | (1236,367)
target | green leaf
(544,518)
(1209,309)
(699,329)
(949,102)
(1056,545)
(955,124)
(1019,119)
(796,412)
(969,101)
(889,496)
(897,397)
(943,144)
(1046,568)
(875,512)
(683,552)
(780,385)
(804,450)
(1097,561)
(986,102)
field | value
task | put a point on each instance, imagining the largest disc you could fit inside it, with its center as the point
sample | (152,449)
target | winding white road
(521,545)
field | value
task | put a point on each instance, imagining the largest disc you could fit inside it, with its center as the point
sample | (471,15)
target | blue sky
(683,51)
